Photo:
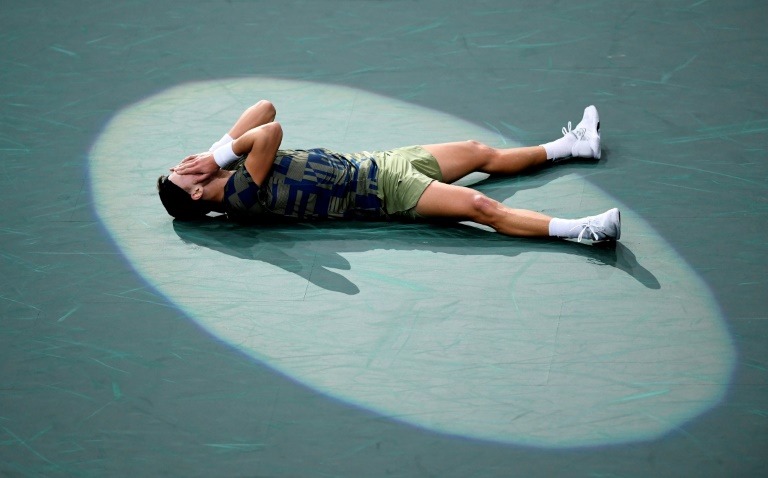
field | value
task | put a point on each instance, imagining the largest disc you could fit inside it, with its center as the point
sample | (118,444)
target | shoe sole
(596,121)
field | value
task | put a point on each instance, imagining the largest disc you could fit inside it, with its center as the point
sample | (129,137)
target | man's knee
(484,209)
(481,150)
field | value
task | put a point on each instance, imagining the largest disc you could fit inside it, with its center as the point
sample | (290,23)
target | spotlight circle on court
(543,344)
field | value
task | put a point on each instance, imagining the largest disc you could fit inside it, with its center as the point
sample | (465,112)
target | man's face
(187,182)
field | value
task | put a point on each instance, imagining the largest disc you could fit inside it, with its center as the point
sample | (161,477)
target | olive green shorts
(404,174)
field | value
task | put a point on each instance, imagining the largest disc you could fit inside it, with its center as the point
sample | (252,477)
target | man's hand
(201,164)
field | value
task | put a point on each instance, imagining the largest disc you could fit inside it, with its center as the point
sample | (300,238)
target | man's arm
(261,145)
(259,114)
(205,164)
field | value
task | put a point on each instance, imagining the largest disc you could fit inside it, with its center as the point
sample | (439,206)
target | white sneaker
(603,227)
(587,134)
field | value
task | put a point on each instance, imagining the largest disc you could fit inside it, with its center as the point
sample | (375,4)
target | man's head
(182,196)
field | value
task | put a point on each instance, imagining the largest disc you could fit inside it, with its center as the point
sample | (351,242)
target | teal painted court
(132,344)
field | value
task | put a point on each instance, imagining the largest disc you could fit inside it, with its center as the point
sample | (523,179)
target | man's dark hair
(179,203)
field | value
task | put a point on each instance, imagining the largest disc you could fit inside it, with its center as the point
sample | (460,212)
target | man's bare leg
(459,159)
(460,203)
(456,160)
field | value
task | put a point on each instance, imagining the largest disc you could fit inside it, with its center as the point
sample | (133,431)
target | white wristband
(224,140)
(224,155)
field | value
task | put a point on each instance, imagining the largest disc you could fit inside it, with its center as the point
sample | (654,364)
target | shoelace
(578,132)
(592,228)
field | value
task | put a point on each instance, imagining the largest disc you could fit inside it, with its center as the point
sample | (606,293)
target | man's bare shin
(509,221)
(522,223)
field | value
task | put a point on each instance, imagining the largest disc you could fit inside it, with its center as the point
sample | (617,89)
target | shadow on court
(311,250)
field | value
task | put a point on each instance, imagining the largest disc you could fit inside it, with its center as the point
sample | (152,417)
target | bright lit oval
(456,330)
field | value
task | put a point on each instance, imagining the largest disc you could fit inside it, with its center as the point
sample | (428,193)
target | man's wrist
(224,155)
(224,140)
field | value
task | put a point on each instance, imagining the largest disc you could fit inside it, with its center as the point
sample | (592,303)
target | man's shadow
(311,249)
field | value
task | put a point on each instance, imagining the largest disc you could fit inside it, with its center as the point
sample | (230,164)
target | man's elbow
(274,131)
(275,128)
(265,109)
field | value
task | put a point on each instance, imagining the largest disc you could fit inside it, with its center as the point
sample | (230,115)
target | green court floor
(135,345)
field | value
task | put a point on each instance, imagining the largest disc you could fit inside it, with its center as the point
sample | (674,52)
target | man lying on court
(411,182)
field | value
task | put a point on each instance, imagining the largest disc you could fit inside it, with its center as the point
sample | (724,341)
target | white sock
(560,148)
(568,228)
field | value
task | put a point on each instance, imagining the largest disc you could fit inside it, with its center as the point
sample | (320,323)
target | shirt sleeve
(243,198)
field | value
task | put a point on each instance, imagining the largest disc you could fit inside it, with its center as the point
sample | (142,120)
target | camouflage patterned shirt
(307,184)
